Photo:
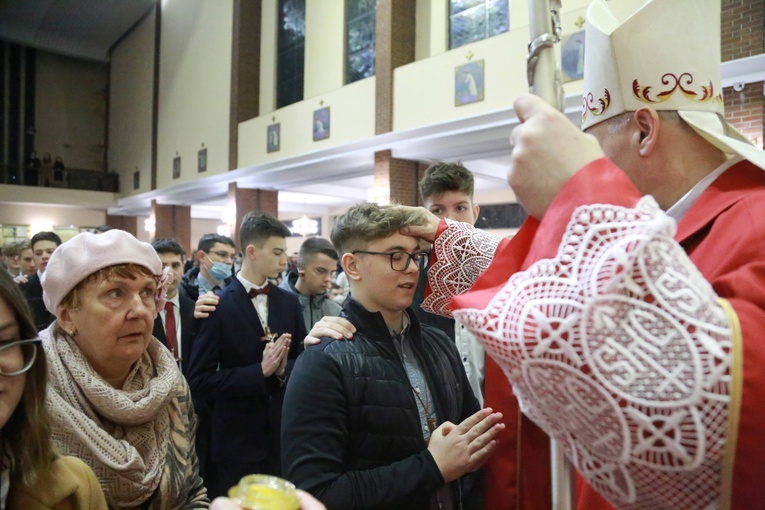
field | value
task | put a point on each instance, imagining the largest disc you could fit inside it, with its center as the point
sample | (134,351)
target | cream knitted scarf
(121,434)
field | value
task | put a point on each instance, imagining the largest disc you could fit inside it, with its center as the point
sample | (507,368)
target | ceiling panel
(79,28)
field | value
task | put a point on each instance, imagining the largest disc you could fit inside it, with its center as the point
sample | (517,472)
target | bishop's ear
(648,126)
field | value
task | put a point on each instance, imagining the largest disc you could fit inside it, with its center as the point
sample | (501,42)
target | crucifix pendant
(432,425)
(268,337)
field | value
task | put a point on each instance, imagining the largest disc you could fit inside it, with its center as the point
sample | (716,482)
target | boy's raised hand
(461,449)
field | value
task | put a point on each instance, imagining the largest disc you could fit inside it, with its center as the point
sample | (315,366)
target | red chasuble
(723,234)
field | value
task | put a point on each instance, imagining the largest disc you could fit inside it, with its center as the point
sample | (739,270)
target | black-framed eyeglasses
(399,260)
(18,356)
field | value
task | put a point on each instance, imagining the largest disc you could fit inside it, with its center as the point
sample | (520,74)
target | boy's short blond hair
(367,222)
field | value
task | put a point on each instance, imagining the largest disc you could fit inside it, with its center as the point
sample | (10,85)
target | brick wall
(745,110)
(126,223)
(742,28)
(400,176)
(743,35)
(394,47)
(245,200)
(245,71)
(172,221)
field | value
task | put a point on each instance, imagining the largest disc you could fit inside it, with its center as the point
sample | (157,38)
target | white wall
(352,117)
(269,33)
(45,217)
(131,94)
(194,87)
(432,33)
(324,46)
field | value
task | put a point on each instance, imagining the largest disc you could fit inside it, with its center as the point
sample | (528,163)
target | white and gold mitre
(665,55)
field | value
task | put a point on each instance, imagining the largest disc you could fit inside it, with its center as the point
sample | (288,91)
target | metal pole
(563,486)
(544,81)
(543,74)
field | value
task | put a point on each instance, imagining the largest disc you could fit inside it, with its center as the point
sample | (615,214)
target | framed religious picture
(176,167)
(321,124)
(468,83)
(273,137)
(572,56)
(202,160)
(136,179)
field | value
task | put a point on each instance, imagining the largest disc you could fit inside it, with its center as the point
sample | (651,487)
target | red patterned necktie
(170,335)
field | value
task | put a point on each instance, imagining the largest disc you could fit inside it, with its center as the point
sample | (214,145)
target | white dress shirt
(260,302)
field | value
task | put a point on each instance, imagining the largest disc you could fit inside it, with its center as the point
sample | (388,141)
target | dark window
(290,54)
(473,20)
(360,39)
(501,216)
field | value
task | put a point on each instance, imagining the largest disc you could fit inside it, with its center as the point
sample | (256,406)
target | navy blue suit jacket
(188,328)
(33,292)
(225,369)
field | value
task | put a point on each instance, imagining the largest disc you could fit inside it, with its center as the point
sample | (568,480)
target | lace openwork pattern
(618,349)
(463,253)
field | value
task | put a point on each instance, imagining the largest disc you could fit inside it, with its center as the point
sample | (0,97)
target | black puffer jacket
(351,432)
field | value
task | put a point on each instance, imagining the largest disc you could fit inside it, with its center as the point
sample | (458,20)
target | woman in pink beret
(32,474)
(116,397)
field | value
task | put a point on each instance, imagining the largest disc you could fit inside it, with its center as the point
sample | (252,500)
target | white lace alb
(619,350)
(464,253)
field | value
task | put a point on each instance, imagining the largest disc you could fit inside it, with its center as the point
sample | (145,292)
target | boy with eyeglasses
(215,257)
(316,270)
(387,420)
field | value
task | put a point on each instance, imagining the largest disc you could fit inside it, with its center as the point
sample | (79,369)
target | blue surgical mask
(219,270)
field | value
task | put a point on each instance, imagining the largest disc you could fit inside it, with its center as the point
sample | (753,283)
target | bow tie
(258,292)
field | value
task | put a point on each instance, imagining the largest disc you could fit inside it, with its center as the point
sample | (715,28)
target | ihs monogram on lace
(619,350)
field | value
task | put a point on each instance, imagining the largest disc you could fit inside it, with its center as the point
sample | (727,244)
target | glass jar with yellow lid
(264,492)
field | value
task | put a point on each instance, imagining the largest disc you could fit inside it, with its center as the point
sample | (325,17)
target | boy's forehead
(448,196)
(394,242)
(168,256)
(275,242)
(222,247)
(44,244)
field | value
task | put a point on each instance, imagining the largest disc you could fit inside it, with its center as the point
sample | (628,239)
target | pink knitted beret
(86,253)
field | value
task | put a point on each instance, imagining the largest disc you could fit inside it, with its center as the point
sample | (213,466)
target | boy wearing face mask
(215,258)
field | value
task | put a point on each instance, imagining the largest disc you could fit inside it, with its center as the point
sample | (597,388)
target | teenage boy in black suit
(176,332)
(43,246)
(241,357)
